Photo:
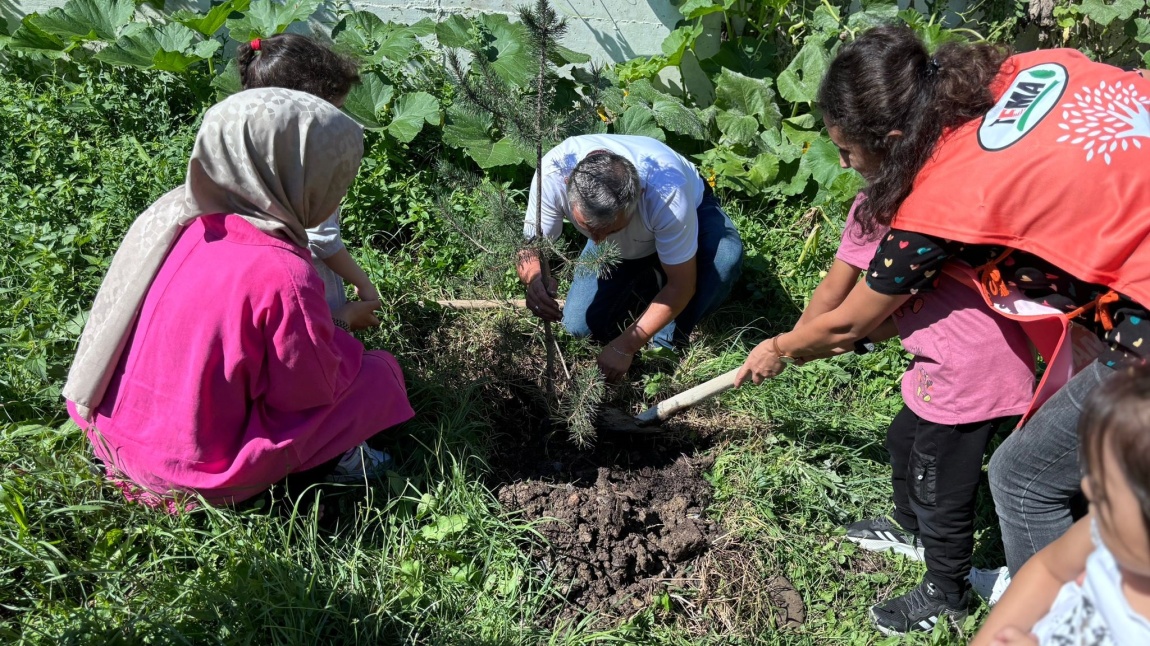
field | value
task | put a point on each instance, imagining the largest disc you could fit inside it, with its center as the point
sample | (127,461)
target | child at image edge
(298,63)
(1092,586)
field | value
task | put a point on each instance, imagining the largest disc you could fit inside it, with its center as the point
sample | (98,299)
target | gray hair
(603,184)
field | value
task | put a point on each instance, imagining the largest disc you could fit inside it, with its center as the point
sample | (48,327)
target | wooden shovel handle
(485,304)
(688,398)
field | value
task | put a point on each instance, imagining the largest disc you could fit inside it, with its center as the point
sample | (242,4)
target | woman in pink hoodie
(210,364)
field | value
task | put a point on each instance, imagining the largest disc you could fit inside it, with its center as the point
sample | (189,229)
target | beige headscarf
(281,159)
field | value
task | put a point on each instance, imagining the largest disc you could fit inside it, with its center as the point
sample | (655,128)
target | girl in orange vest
(1029,169)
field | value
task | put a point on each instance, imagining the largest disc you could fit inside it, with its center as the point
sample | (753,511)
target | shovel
(645,423)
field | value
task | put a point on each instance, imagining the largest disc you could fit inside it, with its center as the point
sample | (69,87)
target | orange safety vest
(1060,168)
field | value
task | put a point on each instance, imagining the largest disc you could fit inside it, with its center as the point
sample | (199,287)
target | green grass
(428,556)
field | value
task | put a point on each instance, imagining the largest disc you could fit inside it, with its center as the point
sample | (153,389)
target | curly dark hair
(297,63)
(886,81)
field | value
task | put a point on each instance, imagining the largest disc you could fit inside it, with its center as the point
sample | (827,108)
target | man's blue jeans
(601,308)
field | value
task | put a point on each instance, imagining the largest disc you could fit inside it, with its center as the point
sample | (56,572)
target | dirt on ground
(625,521)
(626,535)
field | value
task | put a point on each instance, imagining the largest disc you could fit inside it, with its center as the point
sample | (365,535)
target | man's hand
(359,315)
(614,363)
(761,364)
(541,299)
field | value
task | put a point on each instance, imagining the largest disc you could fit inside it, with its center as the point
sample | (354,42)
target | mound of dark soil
(614,542)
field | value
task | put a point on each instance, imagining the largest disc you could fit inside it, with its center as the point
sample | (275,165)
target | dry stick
(544,262)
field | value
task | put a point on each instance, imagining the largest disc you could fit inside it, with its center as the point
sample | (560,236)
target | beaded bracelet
(341,324)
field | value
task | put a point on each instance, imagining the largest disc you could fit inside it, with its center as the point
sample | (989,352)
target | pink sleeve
(857,249)
(309,362)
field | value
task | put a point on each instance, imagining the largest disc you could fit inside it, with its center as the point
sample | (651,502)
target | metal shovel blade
(645,423)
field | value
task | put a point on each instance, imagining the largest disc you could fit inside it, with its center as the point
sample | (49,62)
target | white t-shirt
(1095,613)
(667,222)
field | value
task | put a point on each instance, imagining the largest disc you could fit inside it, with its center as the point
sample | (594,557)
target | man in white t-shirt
(680,253)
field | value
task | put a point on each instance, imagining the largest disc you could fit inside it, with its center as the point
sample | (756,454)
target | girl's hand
(367,293)
(1011,636)
(761,364)
(359,315)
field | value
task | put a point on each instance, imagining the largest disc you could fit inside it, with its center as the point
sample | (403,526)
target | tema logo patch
(1032,95)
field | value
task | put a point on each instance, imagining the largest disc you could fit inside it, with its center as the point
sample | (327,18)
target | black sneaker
(919,610)
(882,534)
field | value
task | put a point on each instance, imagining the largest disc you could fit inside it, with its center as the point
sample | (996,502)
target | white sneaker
(989,584)
(360,463)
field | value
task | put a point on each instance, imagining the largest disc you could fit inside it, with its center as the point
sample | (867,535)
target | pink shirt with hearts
(970,364)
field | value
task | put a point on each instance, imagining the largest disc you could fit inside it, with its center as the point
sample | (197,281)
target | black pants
(936,469)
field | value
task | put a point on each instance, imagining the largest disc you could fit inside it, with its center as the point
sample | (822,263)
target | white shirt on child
(1095,613)
(323,240)
(667,222)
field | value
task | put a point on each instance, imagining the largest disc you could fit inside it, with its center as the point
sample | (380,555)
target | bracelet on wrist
(783,356)
(620,352)
(341,324)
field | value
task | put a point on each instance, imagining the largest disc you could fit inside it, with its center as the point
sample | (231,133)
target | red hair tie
(255,45)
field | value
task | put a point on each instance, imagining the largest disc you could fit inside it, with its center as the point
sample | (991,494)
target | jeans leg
(600,307)
(720,263)
(1035,476)
(945,468)
(899,442)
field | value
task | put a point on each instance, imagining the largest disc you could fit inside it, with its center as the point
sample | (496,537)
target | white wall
(608,30)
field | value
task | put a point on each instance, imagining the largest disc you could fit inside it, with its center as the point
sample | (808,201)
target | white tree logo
(1106,118)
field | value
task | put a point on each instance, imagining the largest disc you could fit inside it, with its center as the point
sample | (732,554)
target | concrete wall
(608,30)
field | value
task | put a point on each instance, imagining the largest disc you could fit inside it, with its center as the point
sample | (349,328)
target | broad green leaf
(208,24)
(472,132)
(29,38)
(806,121)
(445,526)
(368,100)
(267,18)
(377,40)
(674,116)
(1104,13)
(692,9)
(149,48)
(822,158)
(454,32)
(764,170)
(176,62)
(561,56)
(228,81)
(730,170)
(799,83)
(508,50)
(799,179)
(738,129)
(638,120)
(874,15)
(845,187)
(825,19)
(753,97)
(679,41)
(1142,31)
(410,113)
(88,19)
